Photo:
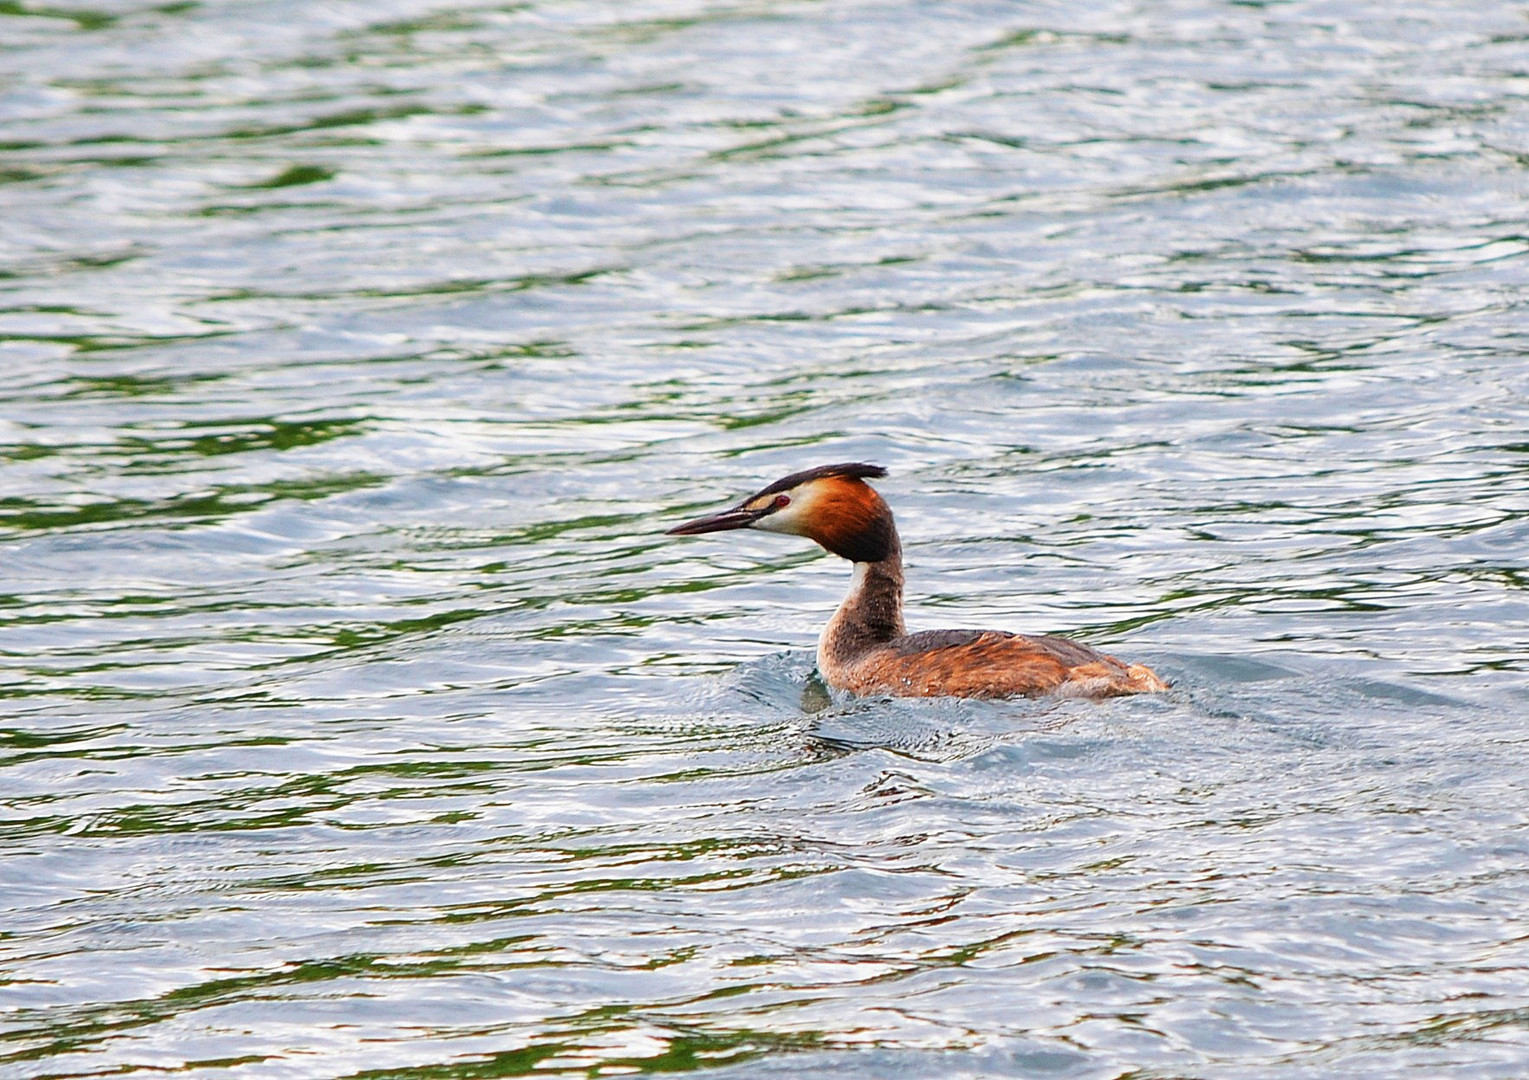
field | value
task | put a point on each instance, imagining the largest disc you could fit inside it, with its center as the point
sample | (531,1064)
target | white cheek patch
(773,523)
(789,519)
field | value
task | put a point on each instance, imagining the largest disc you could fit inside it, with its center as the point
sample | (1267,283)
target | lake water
(360,721)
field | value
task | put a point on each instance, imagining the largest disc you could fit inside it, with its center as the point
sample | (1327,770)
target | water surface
(361,722)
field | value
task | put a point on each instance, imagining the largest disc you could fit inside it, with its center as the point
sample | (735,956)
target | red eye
(782,500)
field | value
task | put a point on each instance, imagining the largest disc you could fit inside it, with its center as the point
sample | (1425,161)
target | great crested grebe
(865,648)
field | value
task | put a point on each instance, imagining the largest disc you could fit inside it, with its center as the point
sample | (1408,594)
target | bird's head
(831,504)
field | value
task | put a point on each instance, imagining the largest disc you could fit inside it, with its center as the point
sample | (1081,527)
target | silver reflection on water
(361,722)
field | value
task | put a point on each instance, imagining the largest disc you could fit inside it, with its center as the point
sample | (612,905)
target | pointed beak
(736,518)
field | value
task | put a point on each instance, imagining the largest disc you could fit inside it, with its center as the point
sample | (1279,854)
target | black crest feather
(857,469)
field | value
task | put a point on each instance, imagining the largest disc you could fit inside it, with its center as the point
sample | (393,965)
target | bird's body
(865,647)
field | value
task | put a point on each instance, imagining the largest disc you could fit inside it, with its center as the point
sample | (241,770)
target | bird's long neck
(871,613)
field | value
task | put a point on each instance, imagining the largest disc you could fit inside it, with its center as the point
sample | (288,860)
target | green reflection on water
(298,174)
(223,501)
(83,18)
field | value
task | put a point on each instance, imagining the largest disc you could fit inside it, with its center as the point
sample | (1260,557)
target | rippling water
(360,722)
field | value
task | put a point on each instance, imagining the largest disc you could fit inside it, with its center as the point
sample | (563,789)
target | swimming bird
(866,649)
